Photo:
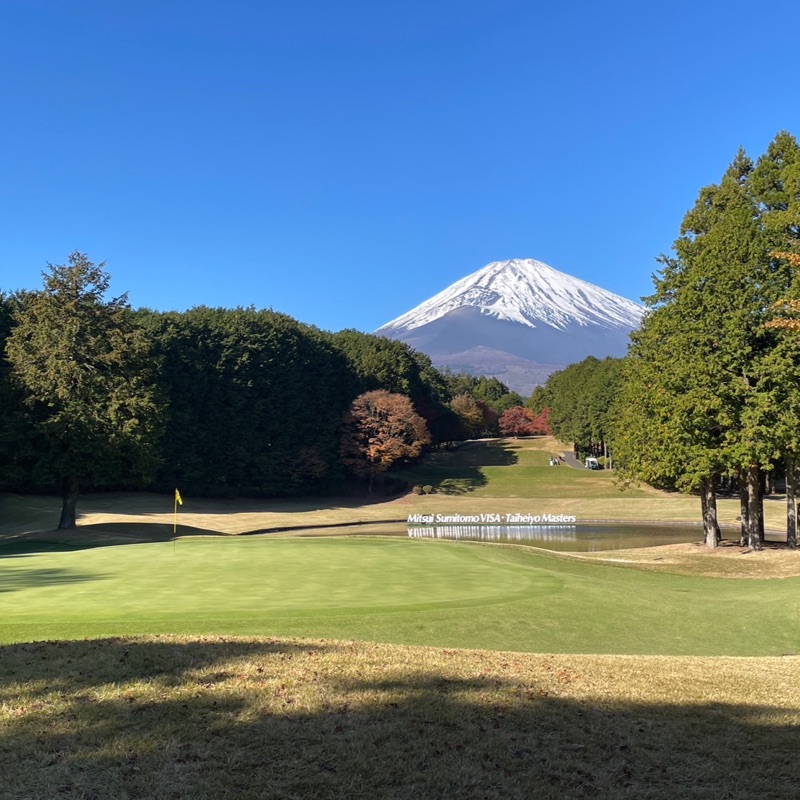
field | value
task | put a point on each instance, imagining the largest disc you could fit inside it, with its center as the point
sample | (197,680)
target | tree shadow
(78,665)
(31,517)
(152,503)
(460,471)
(87,537)
(245,719)
(12,580)
(484,453)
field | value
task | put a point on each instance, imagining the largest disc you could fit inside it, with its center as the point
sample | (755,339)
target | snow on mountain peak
(528,292)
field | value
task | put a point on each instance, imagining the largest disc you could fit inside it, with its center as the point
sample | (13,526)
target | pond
(586,537)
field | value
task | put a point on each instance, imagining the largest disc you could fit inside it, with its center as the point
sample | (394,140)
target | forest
(219,402)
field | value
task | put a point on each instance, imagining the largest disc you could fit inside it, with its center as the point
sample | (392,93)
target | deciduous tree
(469,415)
(517,421)
(541,423)
(380,429)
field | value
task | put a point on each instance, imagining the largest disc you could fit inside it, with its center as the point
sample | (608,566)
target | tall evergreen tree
(775,184)
(579,398)
(84,366)
(18,437)
(693,373)
(382,363)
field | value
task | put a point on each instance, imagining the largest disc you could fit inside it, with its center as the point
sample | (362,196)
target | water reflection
(583,538)
(497,533)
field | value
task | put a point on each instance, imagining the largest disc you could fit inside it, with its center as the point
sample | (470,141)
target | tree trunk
(743,509)
(69,503)
(708,503)
(791,504)
(754,534)
(759,508)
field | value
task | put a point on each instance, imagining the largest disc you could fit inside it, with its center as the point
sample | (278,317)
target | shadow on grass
(113,534)
(137,503)
(12,580)
(489,453)
(459,471)
(86,537)
(245,719)
(32,517)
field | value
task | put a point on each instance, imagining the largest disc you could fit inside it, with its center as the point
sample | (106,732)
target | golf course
(294,648)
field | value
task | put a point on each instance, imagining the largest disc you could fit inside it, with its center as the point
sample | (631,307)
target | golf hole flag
(178,501)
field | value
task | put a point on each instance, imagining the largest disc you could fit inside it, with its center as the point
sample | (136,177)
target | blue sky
(342,162)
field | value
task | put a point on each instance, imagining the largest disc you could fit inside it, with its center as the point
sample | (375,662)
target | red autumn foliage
(516,421)
(520,421)
(541,424)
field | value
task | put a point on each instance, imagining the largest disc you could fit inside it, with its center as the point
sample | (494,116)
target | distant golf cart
(592,463)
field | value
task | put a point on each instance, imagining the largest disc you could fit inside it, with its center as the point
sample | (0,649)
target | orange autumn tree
(381,428)
(787,311)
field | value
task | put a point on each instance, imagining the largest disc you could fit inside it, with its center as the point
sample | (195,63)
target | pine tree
(83,365)
(775,184)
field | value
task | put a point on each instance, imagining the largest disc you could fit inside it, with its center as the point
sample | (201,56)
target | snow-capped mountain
(518,320)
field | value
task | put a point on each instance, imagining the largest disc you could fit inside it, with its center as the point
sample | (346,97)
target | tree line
(218,402)
(708,394)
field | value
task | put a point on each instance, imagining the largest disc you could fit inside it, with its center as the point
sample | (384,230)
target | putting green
(257,576)
(447,594)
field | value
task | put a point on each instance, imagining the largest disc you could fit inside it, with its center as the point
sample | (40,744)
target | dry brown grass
(149,516)
(200,515)
(178,717)
(729,560)
(168,717)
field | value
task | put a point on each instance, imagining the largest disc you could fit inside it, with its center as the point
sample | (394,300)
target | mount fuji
(518,321)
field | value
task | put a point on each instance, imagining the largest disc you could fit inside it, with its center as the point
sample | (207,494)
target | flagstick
(178,502)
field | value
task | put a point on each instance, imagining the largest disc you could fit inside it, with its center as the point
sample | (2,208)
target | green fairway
(392,590)
(510,468)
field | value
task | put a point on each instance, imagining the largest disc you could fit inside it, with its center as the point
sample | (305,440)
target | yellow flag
(178,497)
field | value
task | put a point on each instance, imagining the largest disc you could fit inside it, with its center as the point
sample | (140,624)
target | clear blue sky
(343,161)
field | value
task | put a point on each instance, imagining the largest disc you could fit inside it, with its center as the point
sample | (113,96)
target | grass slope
(176,718)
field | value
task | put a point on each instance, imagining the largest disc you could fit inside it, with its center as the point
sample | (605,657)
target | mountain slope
(517,310)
